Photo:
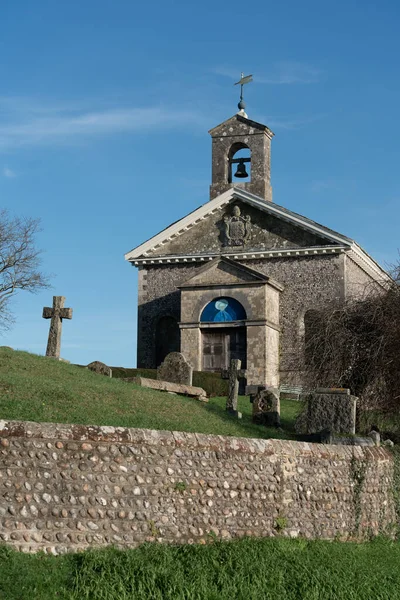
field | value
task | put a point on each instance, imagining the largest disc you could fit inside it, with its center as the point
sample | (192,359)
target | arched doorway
(223,334)
(167,338)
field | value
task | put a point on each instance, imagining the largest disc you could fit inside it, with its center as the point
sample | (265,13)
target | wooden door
(220,345)
(214,350)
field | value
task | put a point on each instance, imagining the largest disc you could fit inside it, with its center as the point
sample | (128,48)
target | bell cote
(241,157)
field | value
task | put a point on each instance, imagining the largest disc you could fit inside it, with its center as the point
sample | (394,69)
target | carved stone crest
(236,228)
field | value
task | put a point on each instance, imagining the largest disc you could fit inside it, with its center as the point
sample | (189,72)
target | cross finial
(242,81)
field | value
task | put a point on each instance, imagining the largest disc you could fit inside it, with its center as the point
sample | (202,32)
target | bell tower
(241,153)
(241,157)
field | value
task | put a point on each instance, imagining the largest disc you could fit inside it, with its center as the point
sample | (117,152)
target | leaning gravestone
(267,408)
(98,367)
(175,369)
(332,410)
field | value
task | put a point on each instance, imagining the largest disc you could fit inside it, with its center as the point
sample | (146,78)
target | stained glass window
(220,310)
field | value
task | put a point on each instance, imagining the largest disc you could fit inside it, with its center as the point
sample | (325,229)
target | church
(240,276)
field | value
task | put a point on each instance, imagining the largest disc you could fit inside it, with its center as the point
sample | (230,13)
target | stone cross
(234,373)
(56,314)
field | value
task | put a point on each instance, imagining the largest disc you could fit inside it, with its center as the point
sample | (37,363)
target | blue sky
(104,113)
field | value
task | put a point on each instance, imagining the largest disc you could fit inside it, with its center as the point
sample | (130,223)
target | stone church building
(240,276)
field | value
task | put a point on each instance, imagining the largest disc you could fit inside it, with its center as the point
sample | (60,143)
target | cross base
(234,413)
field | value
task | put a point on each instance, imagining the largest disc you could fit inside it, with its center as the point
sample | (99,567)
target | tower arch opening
(239,163)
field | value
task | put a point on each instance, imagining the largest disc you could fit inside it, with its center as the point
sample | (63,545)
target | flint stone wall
(68,487)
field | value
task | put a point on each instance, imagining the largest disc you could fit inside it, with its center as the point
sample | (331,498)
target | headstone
(375,437)
(234,373)
(56,314)
(331,410)
(166,386)
(267,408)
(99,367)
(175,369)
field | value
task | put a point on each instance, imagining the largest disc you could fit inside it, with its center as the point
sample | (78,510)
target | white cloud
(9,173)
(281,73)
(26,124)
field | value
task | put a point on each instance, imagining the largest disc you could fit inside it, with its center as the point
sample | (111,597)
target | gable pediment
(241,125)
(234,222)
(225,272)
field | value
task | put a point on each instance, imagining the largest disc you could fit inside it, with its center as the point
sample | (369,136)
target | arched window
(222,310)
(168,338)
(312,336)
(239,163)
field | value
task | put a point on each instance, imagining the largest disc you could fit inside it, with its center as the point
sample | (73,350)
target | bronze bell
(241,170)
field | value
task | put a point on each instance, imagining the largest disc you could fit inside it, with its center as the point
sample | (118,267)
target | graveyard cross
(56,314)
(234,373)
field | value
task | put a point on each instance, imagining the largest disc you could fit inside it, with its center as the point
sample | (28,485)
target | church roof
(249,122)
(333,239)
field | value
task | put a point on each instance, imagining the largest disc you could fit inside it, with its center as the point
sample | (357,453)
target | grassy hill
(35,388)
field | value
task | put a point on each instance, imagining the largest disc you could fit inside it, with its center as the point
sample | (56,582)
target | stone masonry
(70,487)
(309,283)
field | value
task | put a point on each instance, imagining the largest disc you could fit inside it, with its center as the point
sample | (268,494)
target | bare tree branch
(19,262)
(356,344)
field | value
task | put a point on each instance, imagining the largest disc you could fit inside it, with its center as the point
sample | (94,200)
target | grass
(35,388)
(248,569)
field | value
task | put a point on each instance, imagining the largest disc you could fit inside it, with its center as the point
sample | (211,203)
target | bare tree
(356,344)
(19,262)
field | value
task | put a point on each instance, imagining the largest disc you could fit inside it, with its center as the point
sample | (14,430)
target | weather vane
(243,80)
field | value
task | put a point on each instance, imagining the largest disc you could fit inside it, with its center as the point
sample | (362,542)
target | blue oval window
(223,309)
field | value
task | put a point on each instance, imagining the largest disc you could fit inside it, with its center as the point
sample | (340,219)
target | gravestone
(375,437)
(99,367)
(175,369)
(234,374)
(267,408)
(56,314)
(167,386)
(333,410)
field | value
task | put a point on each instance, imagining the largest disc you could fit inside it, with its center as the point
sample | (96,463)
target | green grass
(388,423)
(248,569)
(35,388)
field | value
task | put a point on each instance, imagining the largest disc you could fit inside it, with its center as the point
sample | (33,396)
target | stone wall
(309,283)
(358,283)
(68,487)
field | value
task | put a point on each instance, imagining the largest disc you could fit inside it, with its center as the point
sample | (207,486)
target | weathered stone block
(167,386)
(175,369)
(267,408)
(99,367)
(334,411)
